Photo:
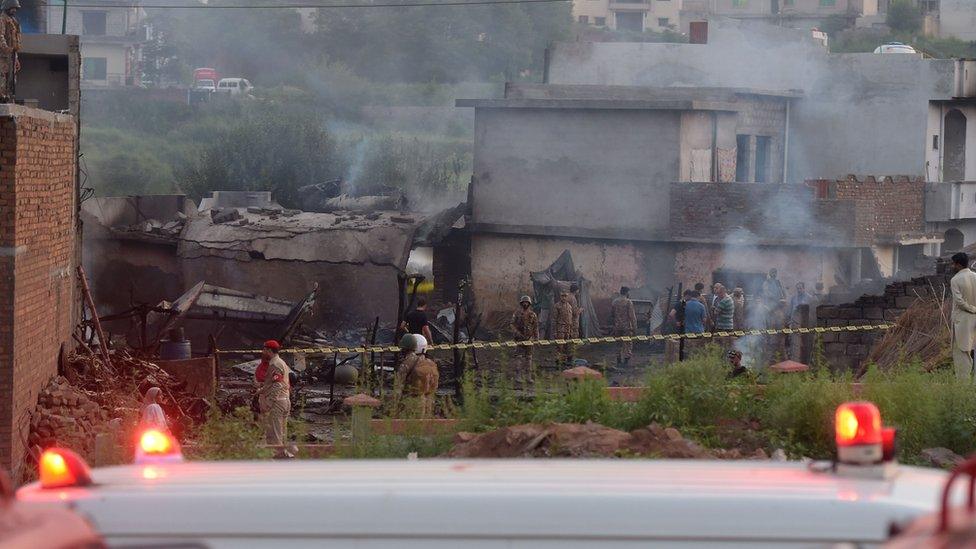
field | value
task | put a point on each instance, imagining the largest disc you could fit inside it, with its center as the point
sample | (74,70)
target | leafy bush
(929,409)
(799,411)
(694,393)
(904,16)
(229,436)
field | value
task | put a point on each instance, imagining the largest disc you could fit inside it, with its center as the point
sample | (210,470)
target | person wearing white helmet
(417,374)
(9,46)
(525,327)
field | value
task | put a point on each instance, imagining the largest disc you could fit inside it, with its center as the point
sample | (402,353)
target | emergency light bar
(861,440)
(62,468)
(156,446)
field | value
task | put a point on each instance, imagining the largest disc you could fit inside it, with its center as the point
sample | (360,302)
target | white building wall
(957,19)
(933,156)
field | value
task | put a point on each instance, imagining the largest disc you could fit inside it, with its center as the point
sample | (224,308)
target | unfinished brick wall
(849,350)
(714,212)
(897,203)
(38,254)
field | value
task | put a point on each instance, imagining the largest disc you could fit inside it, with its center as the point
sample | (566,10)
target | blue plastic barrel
(175,350)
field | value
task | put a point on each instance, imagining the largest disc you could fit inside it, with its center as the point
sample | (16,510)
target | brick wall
(781,214)
(898,205)
(39,250)
(849,350)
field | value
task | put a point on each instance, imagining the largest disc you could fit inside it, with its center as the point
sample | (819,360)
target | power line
(323,6)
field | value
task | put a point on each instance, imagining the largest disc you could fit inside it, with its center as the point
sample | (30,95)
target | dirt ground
(586,441)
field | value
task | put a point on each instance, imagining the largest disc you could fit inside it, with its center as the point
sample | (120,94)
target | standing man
(772,288)
(574,301)
(274,398)
(562,326)
(623,318)
(417,374)
(739,318)
(963,286)
(9,46)
(723,310)
(525,327)
(416,321)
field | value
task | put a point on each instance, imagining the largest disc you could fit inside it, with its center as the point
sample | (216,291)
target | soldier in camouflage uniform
(525,327)
(623,318)
(563,317)
(577,311)
(417,375)
(9,46)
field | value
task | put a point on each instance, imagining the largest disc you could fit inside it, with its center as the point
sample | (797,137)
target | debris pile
(66,416)
(92,398)
(154,227)
(583,441)
(922,331)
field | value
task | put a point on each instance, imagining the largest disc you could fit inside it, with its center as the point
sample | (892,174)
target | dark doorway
(630,21)
(762,159)
(742,158)
(954,152)
(751,283)
(774,7)
(953,241)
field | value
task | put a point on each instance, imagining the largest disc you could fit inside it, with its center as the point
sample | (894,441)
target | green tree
(904,17)
(268,147)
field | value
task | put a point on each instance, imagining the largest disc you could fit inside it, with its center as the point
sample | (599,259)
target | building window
(742,158)
(739,3)
(828,3)
(600,21)
(93,23)
(629,21)
(762,159)
(94,68)
(661,21)
(584,19)
(935,142)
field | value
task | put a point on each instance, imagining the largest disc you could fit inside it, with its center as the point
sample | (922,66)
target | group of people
(565,318)
(769,308)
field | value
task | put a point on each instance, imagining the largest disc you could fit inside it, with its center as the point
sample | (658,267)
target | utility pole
(64,17)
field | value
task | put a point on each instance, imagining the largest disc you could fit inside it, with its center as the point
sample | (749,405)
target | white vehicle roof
(578,503)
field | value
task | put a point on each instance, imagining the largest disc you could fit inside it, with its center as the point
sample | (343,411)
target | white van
(234,86)
(162,501)
(492,504)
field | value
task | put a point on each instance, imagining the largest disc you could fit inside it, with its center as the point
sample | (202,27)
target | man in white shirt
(963,286)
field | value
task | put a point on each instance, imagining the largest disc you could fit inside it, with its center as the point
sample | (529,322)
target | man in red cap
(274,398)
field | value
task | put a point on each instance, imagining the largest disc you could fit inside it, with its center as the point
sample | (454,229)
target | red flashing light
(157,446)
(857,423)
(155,442)
(61,468)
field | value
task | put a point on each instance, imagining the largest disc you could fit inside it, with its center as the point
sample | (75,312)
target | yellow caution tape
(579,341)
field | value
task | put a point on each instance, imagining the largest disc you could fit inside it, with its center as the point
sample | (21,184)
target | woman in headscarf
(153,416)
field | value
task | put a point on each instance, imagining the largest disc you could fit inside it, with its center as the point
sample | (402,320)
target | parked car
(205,79)
(234,86)
(895,47)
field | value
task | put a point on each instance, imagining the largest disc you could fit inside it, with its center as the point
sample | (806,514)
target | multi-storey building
(629,15)
(112,34)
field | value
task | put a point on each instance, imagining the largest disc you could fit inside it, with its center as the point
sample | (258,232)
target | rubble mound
(66,416)
(583,440)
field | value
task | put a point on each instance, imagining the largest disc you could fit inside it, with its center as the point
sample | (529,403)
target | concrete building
(629,15)
(860,113)
(648,186)
(951,161)
(799,14)
(111,34)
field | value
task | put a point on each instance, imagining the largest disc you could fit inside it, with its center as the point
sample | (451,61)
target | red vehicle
(205,79)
